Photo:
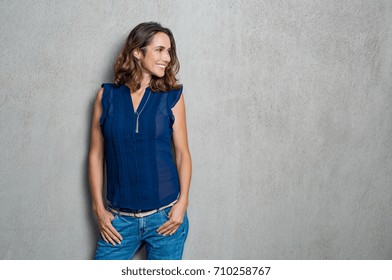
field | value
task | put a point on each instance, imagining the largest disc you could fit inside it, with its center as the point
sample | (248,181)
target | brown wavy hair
(127,70)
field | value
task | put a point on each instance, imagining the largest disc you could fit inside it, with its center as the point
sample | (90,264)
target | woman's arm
(184,167)
(95,168)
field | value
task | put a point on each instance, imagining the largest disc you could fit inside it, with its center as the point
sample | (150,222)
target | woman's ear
(137,54)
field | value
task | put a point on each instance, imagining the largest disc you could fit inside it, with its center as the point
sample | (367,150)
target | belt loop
(137,213)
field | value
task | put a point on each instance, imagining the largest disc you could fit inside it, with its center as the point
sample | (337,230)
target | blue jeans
(139,231)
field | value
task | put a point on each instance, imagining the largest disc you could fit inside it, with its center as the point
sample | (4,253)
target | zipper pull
(137,124)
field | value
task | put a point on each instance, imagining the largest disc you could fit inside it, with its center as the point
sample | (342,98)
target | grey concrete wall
(289,118)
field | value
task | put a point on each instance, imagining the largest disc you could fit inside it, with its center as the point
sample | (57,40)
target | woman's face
(157,55)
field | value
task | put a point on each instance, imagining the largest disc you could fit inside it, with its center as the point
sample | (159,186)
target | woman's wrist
(98,210)
(182,201)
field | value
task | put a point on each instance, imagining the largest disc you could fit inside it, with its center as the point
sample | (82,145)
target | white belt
(141,214)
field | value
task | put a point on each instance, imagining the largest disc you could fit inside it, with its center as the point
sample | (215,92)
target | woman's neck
(145,81)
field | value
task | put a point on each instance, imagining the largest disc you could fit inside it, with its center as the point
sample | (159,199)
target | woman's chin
(159,75)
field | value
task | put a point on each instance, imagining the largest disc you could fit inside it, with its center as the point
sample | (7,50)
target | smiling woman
(136,122)
(156,55)
(149,49)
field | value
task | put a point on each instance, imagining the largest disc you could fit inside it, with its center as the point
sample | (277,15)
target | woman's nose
(166,57)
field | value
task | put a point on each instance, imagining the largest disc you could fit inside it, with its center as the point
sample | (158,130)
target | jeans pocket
(165,213)
(115,220)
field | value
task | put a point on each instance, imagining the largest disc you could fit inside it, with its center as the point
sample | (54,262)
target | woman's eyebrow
(163,47)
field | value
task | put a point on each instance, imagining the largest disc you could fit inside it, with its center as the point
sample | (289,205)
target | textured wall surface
(289,109)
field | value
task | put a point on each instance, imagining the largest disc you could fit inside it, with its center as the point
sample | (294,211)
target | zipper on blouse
(138,114)
(137,124)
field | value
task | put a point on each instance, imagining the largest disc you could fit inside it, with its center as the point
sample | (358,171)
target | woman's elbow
(95,155)
(183,157)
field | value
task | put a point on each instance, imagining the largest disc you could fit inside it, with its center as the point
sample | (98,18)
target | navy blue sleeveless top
(141,172)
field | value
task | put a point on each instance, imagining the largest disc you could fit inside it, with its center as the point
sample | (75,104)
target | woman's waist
(137,205)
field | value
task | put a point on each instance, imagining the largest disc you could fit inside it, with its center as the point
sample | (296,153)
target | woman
(139,131)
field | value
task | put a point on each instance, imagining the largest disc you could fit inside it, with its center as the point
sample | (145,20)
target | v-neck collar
(142,101)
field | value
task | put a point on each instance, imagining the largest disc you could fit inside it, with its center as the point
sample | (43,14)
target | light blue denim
(143,231)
